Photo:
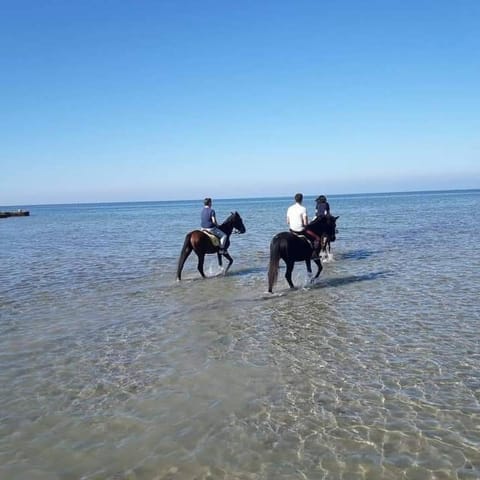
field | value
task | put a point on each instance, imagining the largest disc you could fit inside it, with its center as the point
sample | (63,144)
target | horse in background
(291,248)
(325,241)
(202,244)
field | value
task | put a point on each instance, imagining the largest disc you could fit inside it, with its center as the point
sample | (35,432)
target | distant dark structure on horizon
(18,213)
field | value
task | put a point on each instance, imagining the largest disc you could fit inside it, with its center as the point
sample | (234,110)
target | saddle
(304,237)
(213,238)
(311,243)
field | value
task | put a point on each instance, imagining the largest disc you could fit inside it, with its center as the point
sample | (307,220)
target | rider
(322,207)
(209,223)
(297,219)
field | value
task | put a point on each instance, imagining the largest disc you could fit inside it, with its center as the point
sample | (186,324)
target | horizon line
(219,199)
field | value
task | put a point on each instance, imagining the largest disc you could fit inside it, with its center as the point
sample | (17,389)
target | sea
(111,369)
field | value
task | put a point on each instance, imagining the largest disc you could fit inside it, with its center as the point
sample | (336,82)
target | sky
(104,101)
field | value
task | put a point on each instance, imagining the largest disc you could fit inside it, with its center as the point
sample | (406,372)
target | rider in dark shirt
(322,207)
(208,221)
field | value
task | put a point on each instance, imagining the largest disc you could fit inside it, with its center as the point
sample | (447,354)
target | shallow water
(112,370)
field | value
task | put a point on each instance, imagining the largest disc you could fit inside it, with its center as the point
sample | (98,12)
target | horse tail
(274,263)
(186,251)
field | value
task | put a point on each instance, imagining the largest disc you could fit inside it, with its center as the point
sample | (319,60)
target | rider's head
(298,197)
(207,202)
(322,199)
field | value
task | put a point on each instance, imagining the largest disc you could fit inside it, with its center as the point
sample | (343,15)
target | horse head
(325,225)
(238,223)
(332,227)
(233,222)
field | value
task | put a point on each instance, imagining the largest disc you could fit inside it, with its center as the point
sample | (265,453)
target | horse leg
(219,256)
(320,268)
(201,261)
(323,249)
(308,264)
(230,261)
(288,273)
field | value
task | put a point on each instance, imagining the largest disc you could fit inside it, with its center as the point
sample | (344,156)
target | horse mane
(233,221)
(229,219)
(317,220)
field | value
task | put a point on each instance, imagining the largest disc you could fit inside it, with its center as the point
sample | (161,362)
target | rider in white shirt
(297,220)
(297,217)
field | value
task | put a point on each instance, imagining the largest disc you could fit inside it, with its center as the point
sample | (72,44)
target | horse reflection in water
(291,248)
(202,244)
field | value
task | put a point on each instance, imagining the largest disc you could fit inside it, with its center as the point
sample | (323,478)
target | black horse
(291,248)
(326,240)
(201,243)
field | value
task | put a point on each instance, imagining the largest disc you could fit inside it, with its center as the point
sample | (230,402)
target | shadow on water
(329,283)
(194,276)
(357,254)
(339,282)
(246,271)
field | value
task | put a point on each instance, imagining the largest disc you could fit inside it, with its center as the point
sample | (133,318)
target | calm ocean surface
(109,369)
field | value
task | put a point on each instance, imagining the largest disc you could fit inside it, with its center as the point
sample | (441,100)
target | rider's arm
(305,219)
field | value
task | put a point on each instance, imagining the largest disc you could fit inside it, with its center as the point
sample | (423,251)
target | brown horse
(202,245)
(293,248)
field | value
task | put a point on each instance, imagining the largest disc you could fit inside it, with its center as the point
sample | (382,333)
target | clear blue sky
(158,100)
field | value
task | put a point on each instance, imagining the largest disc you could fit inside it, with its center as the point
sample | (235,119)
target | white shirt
(296,215)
